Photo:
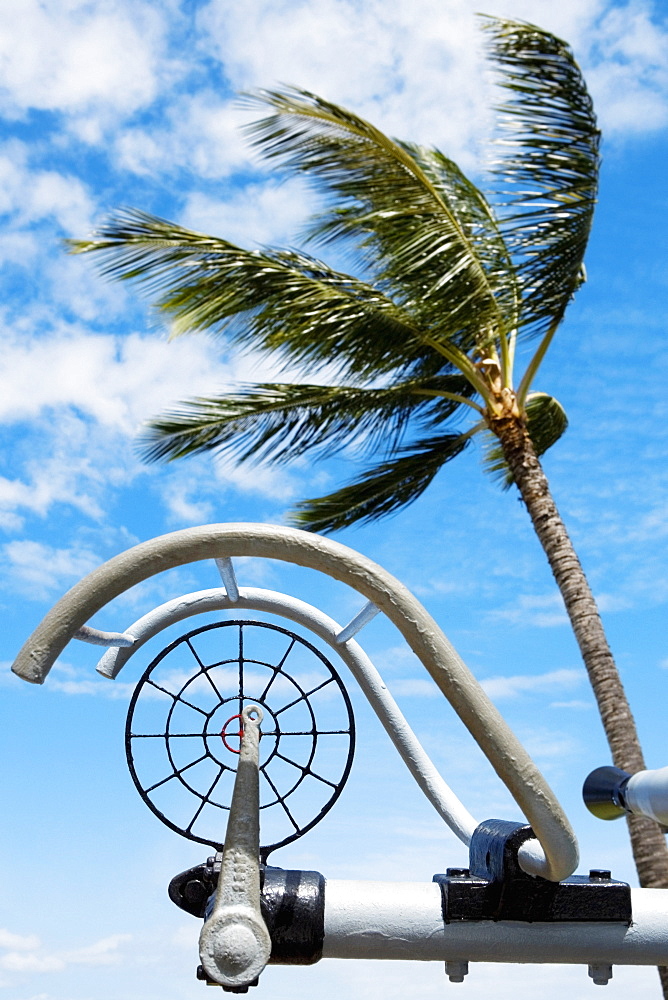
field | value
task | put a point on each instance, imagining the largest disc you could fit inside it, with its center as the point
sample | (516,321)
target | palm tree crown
(450,285)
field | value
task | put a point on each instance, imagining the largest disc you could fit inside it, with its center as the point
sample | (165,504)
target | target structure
(184,728)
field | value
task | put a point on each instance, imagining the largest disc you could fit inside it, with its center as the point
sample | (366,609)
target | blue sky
(115,103)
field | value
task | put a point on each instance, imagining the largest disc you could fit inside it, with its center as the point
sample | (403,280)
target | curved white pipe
(217,541)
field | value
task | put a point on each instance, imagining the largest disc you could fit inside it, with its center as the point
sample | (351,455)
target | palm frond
(548,173)
(425,230)
(546,422)
(274,300)
(383,489)
(280,422)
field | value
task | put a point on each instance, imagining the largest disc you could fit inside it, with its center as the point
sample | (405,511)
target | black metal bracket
(191,889)
(494,887)
(292,904)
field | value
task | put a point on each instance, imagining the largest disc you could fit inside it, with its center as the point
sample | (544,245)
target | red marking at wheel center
(224,734)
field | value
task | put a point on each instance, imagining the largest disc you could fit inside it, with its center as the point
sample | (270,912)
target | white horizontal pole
(403,920)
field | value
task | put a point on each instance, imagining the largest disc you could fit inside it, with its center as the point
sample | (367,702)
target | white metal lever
(234,944)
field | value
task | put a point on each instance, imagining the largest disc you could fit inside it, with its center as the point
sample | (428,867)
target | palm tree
(450,283)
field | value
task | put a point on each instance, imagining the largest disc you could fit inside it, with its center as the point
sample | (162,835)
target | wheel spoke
(308,732)
(305,695)
(275,673)
(241,669)
(319,777)
(177,697)
(206,799)
(215,689)
(161,736)
(195,654)
(177,773)
(293,763)
(281,802)
(277,670)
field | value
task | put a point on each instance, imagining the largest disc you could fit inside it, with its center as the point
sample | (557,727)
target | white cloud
(416,68)
(31,957)
(196,490)
(30,195)
(613,602)
(201,134)
(73,681)
(273,482)
(77,57)
(61,468)
(18,246)
(547,610)
(18,942)
(185,937)
(269,213)
(117,381)
(415,687)
(296,43)
(37,569)
(498,688)
(19,961)
(386,62)
(547,746)
(512,687)
(628,75)
(182,507)
(538,610)
(84,397)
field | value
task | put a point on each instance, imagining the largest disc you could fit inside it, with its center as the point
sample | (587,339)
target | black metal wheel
(183,730)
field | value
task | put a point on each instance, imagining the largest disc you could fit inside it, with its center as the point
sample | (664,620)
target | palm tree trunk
(647,840)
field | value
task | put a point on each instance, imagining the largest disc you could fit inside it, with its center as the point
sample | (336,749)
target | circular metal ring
(180,730)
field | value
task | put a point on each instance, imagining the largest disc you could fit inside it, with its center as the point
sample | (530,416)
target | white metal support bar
(96,637)
(356,624)
(228,576)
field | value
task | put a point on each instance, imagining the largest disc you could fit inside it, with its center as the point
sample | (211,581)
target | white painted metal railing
(373,919)
(227,541)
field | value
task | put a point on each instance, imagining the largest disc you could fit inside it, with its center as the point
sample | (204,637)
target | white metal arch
(225,541)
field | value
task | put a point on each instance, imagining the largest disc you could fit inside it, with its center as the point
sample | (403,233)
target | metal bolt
(599,873)
(601,974)
(455,971)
